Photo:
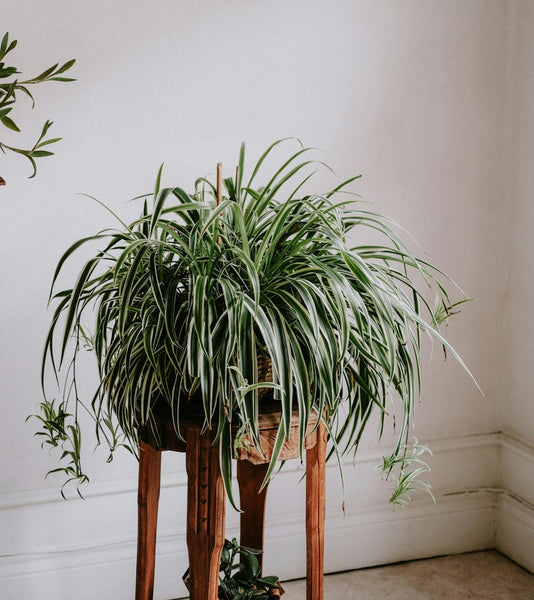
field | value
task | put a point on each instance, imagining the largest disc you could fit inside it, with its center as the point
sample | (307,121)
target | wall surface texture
(431,101)
(516,406)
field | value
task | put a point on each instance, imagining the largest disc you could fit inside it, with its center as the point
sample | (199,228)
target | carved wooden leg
(205,514)
(147,507)
(250,477)
(315,514)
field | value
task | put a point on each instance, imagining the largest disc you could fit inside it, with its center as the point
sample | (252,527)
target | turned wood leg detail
(205,514)
(147,520)
(315,515)
(250,477)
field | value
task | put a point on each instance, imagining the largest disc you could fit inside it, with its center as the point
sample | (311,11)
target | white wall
(515,530)
(517,412)
(411,94)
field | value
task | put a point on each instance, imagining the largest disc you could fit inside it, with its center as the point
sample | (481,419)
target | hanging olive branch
(8,97)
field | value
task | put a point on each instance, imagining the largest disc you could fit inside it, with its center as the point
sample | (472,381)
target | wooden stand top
(270,414)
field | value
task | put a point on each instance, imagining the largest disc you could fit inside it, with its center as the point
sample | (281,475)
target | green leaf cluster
(66,437)
(8,97)
(240,574)
(191,297)
(408,467)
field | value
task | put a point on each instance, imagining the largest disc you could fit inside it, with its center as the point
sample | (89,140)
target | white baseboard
(76,549)
(515,514)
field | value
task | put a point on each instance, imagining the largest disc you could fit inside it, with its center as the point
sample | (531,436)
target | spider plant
(188,300)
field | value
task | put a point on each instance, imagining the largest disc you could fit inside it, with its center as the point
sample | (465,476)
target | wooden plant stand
(206,501)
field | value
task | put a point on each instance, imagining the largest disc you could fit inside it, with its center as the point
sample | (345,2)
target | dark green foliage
(240,577)
(8,97)
(240,574)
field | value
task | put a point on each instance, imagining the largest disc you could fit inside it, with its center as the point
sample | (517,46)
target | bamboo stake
(219,192)
(219,183)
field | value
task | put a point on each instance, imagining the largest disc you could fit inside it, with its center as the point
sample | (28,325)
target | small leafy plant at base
(240,575)
(8,98)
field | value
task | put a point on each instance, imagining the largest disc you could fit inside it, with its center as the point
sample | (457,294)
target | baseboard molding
(466,517)
(515,530)
(515,514)
(517,467)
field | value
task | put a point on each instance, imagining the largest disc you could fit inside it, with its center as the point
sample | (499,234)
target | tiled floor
(484,575)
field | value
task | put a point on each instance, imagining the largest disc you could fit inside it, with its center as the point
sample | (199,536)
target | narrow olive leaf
(3,45)
(41,153)
(45,129)
(7,72)
(33,164)
(47,142)
(10,124)
(44,74)
(66,66)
